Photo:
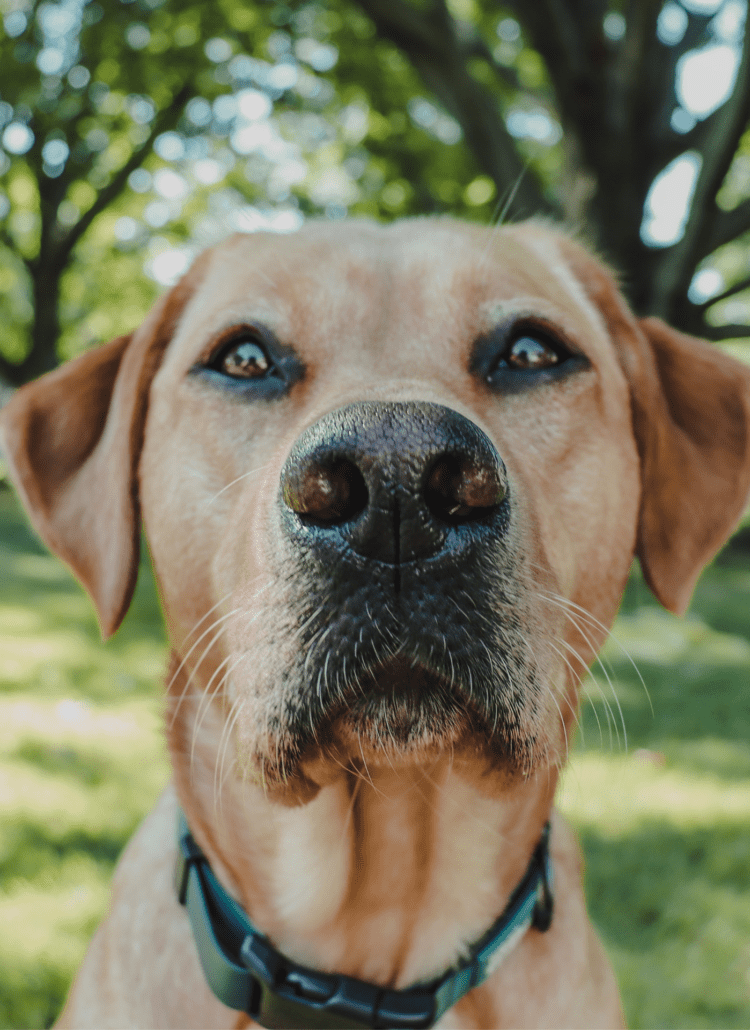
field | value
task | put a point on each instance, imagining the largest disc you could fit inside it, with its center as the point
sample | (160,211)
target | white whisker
(592,620)
(207,697)
(245,475)
(179,668)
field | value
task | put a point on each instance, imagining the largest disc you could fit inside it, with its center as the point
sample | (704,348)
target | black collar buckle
(289,995)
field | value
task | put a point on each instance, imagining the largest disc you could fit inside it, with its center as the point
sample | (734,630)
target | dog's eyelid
(221,342)
(524,351)
(548,335)
(249,362)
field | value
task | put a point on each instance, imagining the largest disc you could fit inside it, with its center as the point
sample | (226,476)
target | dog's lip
(398,677)
(396,710)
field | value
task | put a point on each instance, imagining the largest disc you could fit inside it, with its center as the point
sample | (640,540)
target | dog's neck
(386,874)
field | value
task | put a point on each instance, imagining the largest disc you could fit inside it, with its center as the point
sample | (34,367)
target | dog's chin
(397,715)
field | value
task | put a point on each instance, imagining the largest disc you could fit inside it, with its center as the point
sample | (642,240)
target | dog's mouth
(405,709)
(401,706)
(445,666)
(400,678)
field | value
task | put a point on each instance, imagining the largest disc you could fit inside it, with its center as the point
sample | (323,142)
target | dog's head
(399,474)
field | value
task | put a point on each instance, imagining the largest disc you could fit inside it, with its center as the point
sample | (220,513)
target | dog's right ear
(690,408)
(72,440)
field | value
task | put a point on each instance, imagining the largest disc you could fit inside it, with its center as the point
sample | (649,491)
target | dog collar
(247,973)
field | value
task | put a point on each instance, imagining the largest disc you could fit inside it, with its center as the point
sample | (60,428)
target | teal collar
(247,973)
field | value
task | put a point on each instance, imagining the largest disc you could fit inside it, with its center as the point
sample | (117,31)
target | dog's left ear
(72,440)
(691,419)
(692,423)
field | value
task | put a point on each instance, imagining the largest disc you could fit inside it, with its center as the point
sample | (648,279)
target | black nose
(391,481)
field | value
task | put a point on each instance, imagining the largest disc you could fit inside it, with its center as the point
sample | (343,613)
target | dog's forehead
(419,274)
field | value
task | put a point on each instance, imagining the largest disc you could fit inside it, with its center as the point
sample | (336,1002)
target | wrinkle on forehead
(544,252)
(361,278)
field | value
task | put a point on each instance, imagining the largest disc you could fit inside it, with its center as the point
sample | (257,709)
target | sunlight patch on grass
(654,635)
(24,655)
(665,823)
(82,758)
(55,754)
(618,792)
(75,780)
(70,720)
(46,927)
(73,895)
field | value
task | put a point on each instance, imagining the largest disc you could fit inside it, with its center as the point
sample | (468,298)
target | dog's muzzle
(399,555)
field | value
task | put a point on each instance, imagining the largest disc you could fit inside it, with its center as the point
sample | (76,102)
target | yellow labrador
(377,468)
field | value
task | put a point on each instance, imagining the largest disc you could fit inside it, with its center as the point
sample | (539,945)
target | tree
(126,123)
(132,127)
(611,79)
(92,88)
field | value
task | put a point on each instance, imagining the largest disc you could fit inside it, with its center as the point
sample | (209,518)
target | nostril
(459,489)
(327,493)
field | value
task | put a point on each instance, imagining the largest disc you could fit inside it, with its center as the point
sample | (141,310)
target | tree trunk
(45,328)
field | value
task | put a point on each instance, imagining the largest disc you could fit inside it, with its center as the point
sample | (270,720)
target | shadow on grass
(692,702)
(80,773)
(671,905)
(41,604)
(30,847)
(32,997)
(61,760)
(29,567)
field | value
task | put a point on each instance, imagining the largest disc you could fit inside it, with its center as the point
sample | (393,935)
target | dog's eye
(524,355)
(530,353)
(244,359)
(248,363)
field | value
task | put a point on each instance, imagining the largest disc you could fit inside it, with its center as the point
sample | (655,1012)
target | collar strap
(247,973)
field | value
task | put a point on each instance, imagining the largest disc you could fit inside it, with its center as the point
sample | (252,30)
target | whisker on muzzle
(207,696)
(575,616)
(224,742)
(202,658)
(239,479)
(595,623)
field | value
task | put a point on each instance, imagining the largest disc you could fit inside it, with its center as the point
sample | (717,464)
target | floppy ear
(691,419)
(72,440)
(693,429)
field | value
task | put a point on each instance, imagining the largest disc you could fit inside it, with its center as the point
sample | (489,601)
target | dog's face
(352,389)
(407,468)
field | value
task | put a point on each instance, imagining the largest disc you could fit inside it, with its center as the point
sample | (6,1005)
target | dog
(393,479)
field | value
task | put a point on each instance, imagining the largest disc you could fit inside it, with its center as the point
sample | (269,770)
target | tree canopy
(134,132)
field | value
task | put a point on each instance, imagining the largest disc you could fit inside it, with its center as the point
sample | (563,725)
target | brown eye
(530,353)
(246,359)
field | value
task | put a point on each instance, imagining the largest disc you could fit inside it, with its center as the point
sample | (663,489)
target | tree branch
(655,98)
(6,240)
(430,42)
(10,373)
(721,144)
(569,38)
(557,33)
(164,120)
(717,333)
(477,47)
(725,227)
(696,138)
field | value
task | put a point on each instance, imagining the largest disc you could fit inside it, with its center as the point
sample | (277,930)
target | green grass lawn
(665,821)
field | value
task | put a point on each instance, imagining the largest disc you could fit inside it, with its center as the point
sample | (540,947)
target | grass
(665,822)
(81,760)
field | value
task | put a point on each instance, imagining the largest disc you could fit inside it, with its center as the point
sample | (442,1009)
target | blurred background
(133,133)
